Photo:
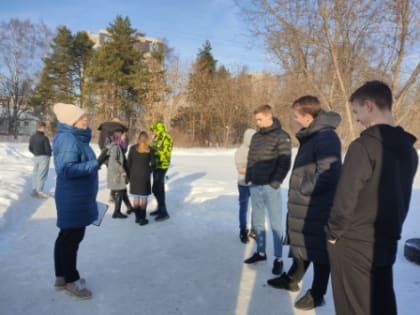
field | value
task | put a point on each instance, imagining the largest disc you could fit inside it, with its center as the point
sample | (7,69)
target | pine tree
(81,51)
(62,78)
(56,78)
(201,89)
(116,68)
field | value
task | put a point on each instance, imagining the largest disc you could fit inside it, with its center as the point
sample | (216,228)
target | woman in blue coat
(312,186)
(75,194)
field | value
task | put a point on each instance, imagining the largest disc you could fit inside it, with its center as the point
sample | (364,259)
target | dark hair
(265,109)
(41,124)
(307,104)
(377,92)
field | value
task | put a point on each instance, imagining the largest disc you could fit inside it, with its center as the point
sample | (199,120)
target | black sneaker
(254,258)
(162,217)
(243,236)
(155,212)
(283,282)
(308,301)
(277,267)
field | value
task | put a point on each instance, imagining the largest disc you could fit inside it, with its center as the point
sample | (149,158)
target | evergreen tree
(81,51)
(116,68)
(56,83)
(201,90)
(62,77)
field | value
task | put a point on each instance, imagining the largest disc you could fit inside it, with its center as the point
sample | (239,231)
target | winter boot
(243,236)
(117,212)
(283,282)
(78,289)
(127,202)
(309,301)
(141,216)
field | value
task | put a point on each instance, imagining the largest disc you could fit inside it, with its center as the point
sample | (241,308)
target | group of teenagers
(143,159)
(344,218)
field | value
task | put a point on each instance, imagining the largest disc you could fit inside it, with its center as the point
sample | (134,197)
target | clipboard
(102,208)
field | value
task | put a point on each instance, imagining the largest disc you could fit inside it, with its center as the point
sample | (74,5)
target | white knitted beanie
(68,113)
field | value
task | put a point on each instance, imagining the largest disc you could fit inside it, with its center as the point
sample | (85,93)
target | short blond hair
(265,109)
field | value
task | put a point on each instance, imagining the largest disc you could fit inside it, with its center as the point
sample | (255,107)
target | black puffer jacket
(269,156)
(313,182)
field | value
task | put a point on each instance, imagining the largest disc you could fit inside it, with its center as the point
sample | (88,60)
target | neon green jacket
(161,146)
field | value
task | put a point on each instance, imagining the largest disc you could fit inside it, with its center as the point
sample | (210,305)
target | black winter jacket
(269,156)
(313,182)
(39,144)
(374,191)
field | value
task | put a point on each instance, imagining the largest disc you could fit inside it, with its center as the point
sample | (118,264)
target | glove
(275,184)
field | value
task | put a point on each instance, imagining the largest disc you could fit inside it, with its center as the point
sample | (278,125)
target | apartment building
(144,43)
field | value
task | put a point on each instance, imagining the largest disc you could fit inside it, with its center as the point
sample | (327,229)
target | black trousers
(65,253)
(121,196)
(158,189)
(321,275)
(359,287)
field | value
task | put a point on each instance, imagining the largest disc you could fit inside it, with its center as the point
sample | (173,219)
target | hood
(324,120)
(248,136)
(395,139)
(112,126)
(158,127)
(83,135)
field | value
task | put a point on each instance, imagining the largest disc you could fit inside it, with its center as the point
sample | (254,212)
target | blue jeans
(265,197)
(243,205)
(40,172)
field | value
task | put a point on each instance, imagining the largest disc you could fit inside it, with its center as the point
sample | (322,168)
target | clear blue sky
(185,24)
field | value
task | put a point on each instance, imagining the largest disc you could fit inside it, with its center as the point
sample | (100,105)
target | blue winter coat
(77,177)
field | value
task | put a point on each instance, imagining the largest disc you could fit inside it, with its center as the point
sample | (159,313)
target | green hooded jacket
(161,146)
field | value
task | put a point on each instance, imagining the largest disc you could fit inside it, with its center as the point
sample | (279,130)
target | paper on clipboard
(102,208)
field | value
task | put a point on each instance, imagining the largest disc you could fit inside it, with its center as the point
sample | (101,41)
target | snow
(190,264)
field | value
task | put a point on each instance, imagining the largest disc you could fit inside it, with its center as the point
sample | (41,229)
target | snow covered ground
(190,264)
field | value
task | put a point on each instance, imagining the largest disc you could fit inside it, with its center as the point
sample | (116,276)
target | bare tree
(328,47)
(22,45)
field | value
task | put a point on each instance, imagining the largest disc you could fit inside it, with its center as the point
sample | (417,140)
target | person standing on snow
(106,134)
(75,194)
(162,148)
(370,206)
(241,156)
(267,166)
(139,162)
(312,186)
(40,147)
(117,175)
